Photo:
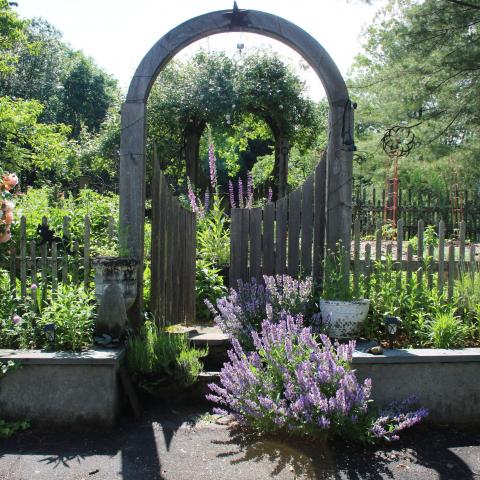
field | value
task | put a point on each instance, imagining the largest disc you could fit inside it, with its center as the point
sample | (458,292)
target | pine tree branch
(465,4)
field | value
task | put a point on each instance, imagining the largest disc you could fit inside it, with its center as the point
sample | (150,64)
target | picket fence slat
(451,269)
(281,236)
(441,256)
(294,212)
(255,228)
(268,252)
(307,226)
(356,256)
(86,253)
(23,257)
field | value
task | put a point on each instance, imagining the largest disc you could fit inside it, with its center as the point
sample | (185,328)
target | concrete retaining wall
(446,381)
(62,389)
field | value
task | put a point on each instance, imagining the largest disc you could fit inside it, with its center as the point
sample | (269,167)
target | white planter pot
(345,317)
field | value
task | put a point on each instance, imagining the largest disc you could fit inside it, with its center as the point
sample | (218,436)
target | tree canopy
(421,67)
(255,96)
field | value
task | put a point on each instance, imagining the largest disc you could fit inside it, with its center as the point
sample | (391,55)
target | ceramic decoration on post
(344,317)
(119,270)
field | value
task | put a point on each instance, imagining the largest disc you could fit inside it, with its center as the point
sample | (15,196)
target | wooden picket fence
(368,205)
(172,295)
(32,262)
(282,237)
(439,265)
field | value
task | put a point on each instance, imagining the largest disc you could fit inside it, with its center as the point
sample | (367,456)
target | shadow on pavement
(166,443)
(422,451)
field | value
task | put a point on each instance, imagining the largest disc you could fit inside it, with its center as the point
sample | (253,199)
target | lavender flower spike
(231,194)
(192,197)
(240,193)
(212,161)
(249,203)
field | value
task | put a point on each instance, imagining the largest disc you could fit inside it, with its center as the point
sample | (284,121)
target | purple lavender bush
(292,383)
(244,309)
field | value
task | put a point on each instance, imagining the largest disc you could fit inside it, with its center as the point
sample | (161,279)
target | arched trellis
(133,134)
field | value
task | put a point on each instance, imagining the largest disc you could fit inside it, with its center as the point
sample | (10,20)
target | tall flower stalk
(212,162)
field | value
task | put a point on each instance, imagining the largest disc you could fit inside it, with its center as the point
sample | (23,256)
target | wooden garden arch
(133,124)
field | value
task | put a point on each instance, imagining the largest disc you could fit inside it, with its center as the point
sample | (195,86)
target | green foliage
(7,429)
(430,238)
(72,89)
(37,203)
(30,148)
(337,285)
(38,71)
(268,87)
(428,318)
(467,288)
(232,142)
(391,294)
(70,308)
(87,94)
(213,236)
(208,286)
(257,100)
(446,330)
(154,356)
(419,67)
(12,35)
(8,366)
(98,152)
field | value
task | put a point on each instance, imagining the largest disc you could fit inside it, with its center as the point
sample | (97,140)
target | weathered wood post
(132,192)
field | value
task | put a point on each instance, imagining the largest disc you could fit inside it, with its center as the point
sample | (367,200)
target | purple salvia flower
(249,202)
(17,319)
(231,194)
(206,204)
(212,161)
(240,193)
(269,195)
(192,197)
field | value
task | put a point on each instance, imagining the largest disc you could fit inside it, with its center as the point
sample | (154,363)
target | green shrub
(467,288)
(154,356)
(446,331)
(43,202)
(213,236)
(337,284)
(208,286)
(392,294)
(71,310)
(430,237)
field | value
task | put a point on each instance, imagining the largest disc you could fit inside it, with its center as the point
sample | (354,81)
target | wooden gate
(287,236)
(172,296)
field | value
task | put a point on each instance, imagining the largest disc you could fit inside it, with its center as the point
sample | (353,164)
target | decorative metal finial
(398,141)
(238,18)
